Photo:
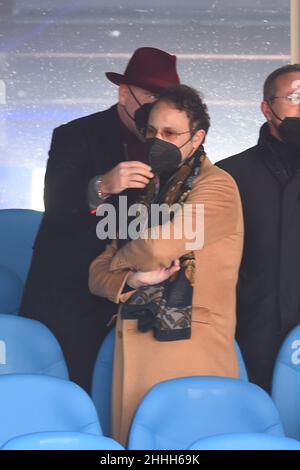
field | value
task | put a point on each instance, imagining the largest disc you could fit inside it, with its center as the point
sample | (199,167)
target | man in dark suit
(91,159)
(268,296)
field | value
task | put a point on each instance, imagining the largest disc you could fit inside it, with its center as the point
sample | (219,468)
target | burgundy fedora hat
(148,68)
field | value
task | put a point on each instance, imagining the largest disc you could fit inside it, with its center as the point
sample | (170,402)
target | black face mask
(289,131)
(141,117)
(164,157)
(137,101)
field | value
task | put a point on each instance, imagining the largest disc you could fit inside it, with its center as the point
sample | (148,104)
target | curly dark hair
(185,98)
(270,82)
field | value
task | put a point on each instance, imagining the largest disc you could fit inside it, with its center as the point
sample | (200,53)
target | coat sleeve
(213,209)
(108,284)
(66,178)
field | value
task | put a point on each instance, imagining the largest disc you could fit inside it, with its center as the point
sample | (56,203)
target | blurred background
(54,53)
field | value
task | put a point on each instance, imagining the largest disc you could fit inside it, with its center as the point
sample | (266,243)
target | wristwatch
(98,189)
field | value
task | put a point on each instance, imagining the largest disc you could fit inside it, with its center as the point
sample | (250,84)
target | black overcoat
(268,297)
(56,291)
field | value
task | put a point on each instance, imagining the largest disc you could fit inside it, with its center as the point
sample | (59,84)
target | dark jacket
(268,177)
(56,291)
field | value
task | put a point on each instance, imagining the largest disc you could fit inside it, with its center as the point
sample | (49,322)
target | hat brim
(116,78)
(154,86)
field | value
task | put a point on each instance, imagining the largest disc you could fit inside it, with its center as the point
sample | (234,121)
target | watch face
(101,196)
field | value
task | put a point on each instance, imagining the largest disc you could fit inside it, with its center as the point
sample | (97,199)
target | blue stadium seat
(28,347)
(102,381)
(176,413)
(246,441)
(38,403)
(11,290)
(242,365)
(103,374)
(18,229)
(286,383)
(62,441)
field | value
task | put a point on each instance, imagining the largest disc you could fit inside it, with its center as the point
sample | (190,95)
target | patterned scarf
(167,307)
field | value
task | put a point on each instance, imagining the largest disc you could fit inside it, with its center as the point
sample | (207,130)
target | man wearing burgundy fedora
(91,159)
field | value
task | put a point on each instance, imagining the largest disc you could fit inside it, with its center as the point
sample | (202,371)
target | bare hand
(140,279)
(126,175)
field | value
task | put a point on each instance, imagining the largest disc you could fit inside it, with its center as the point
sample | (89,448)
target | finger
(135,184)
(137,171)
(134,163)
(167,275)
(173,269)
(139,178)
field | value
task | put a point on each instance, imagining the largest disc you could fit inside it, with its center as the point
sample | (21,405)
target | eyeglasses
(166,134)
(293,98)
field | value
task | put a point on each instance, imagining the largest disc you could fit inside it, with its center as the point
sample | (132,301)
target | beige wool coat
(140,361)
